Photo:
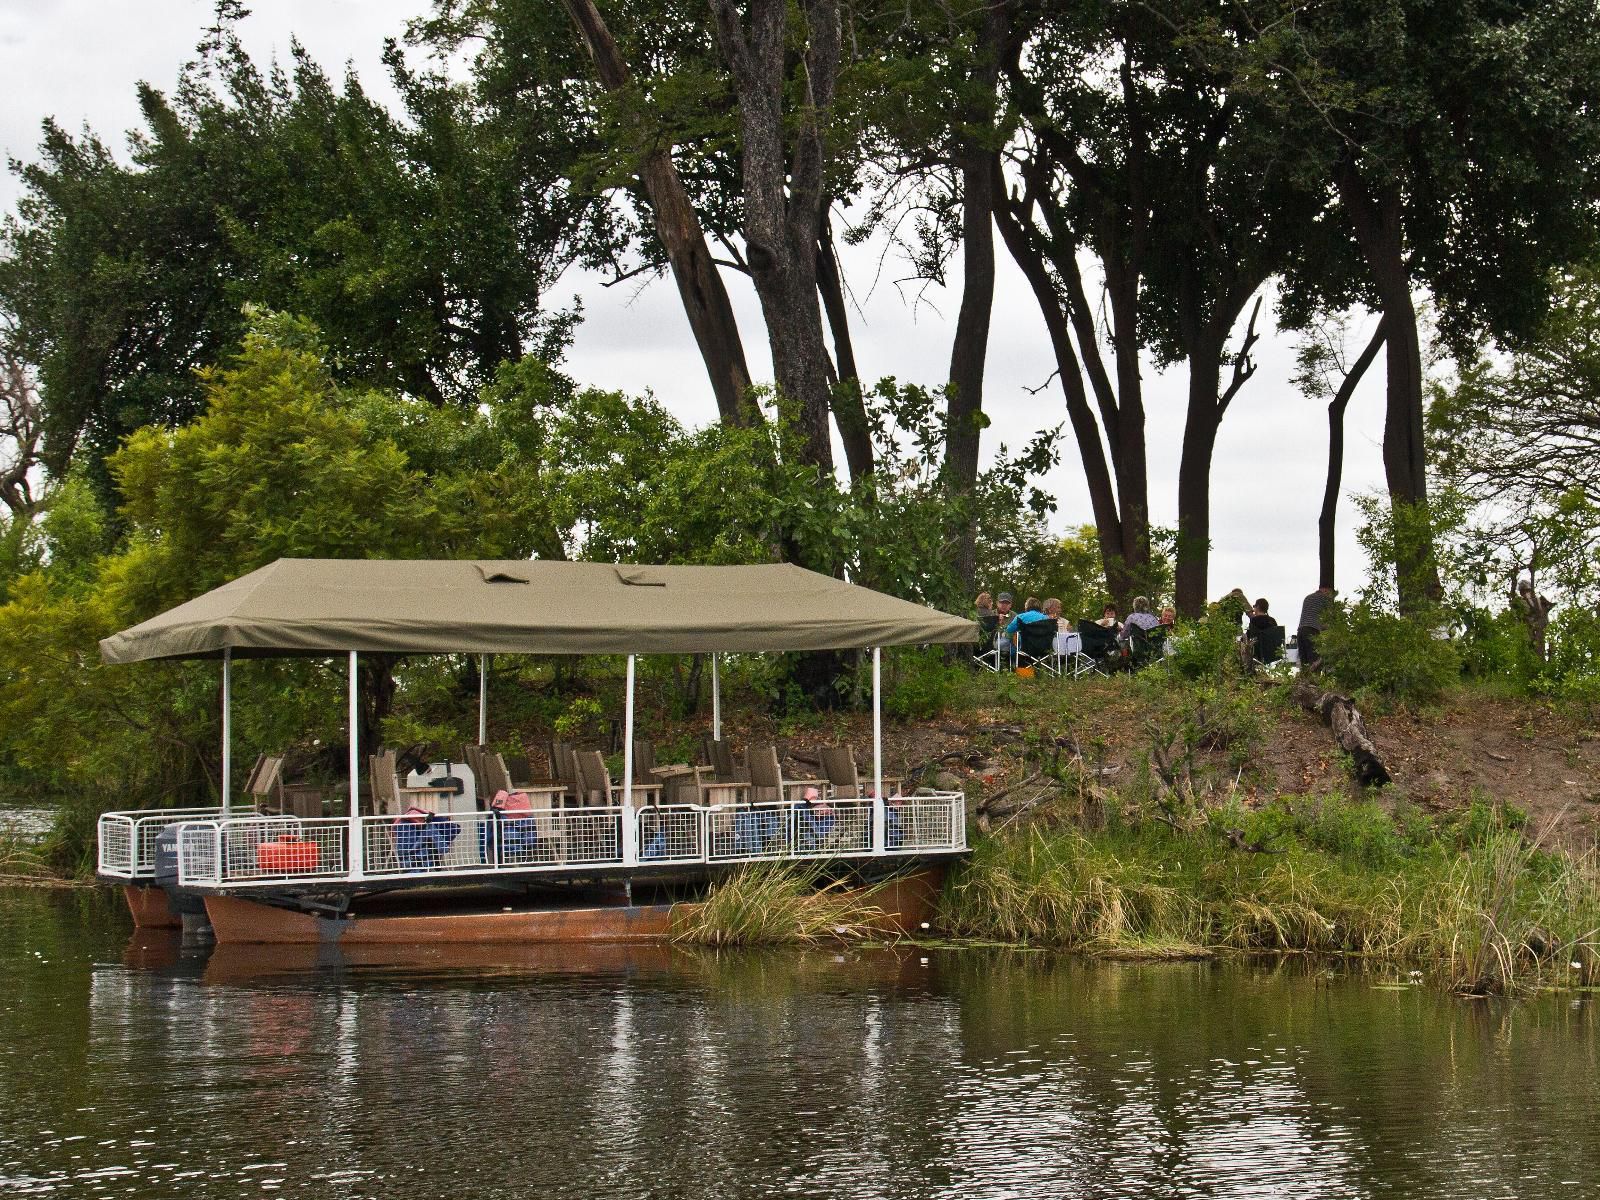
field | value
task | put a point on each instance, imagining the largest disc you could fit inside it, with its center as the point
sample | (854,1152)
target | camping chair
(1145,646)
(1266,647)
(994,650)
(1036,645)
(1067,650)
(1099,647)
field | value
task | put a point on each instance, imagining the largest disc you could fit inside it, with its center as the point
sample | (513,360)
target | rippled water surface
(130,1066)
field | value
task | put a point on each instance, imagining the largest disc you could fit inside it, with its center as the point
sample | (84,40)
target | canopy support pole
(483,699)
(879,815)
(227,729)
(630,831)
(716,700)
(356,864)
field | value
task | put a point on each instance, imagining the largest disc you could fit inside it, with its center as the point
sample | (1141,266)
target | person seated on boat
(1141,618)
(817,820)
(1108,619)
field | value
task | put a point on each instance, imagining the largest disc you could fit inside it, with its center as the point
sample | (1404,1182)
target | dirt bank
(1472,746)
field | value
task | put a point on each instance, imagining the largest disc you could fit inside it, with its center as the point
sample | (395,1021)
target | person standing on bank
(1313,613)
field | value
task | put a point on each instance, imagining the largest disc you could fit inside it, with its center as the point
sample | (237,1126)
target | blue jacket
(1025,618)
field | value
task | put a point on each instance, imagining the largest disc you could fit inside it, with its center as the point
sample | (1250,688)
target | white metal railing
(262,849)
(265,850)
(127,840)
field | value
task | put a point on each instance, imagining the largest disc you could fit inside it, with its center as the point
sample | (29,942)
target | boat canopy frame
(344,607)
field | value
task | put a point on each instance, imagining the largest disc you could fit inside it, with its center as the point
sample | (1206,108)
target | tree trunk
(1128,448)
(1205,344)
(1097,475)
(783,199)
(705,299)
(1377,223)
(1200,427)
(1330,492)
(849,407)
(969,350)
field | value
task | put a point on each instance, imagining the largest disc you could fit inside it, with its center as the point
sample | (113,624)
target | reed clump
(1475,902)
(767,904)
(21,859)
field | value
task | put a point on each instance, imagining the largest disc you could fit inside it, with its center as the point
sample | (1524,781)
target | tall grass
(21,860)
(776,903)
(1489,913)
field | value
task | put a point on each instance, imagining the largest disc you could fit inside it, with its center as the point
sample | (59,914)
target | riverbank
(1150,817)
(1160,817)
(1472,903)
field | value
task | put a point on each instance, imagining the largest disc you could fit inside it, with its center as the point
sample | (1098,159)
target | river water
(131,1066)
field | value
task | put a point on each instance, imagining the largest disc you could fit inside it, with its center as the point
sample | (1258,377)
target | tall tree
(677,226)
(1141,153)
(784,79)
(424,257)
(1460,142)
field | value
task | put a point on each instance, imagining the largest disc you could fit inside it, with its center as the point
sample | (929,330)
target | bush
(1365,649)
(1209,648)
(922,684)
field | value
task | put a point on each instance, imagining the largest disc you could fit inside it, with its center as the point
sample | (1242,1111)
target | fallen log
(1339,714)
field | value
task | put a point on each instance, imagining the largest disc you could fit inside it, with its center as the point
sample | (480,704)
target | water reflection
(146,1068)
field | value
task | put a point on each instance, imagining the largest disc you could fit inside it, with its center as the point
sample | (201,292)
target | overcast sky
(78,61)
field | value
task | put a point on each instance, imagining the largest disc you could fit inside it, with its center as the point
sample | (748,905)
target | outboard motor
(180,901)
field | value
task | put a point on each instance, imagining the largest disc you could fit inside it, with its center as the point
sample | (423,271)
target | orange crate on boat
(287,856)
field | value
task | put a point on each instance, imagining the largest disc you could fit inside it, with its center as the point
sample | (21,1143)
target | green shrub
(922,684)
(1365,649)
(1207,648)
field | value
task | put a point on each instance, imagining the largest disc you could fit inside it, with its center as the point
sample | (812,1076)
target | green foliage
(1208,648)
(582,719)
(1368,650)
(1482,909)
(422,243)
(921,684)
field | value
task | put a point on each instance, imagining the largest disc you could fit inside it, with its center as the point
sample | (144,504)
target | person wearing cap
(1003,616)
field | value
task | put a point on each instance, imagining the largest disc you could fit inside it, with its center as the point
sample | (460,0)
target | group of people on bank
(1000,622)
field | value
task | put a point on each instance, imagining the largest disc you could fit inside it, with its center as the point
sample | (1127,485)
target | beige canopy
(306,606)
